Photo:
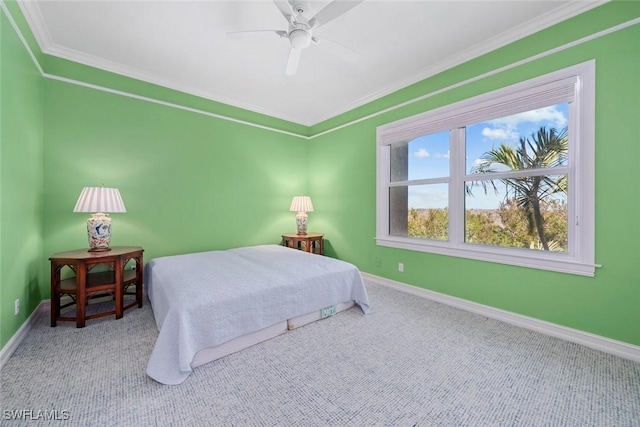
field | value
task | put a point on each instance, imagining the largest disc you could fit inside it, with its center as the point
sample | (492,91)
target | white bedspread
(205,299)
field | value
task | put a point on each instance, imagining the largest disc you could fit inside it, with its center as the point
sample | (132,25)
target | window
(506,177)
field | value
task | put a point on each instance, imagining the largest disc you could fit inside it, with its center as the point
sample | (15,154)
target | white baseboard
(607,345)
(17,338)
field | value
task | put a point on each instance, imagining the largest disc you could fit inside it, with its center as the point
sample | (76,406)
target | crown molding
(555,50)
(122,70)
(544,21)
(35,19)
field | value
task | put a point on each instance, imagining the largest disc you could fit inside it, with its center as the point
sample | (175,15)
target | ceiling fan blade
(253,33)
(292,62)
(285,8)
(333,10)
(337,49)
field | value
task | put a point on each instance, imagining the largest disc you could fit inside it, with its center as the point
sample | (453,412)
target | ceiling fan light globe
(299,39)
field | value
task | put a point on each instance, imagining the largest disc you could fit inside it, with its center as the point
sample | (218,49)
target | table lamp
(302,205)
(101,201)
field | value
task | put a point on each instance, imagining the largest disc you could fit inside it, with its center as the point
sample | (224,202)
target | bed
(210,304)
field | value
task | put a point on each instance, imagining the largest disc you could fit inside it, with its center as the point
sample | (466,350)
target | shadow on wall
(329,250)
(34,279)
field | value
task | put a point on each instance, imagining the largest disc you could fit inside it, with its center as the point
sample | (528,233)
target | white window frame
(575,85)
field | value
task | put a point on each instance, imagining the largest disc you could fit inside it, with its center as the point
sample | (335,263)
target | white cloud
(422,153)
(506,128)
(428,196)
(500,133)
(546,114)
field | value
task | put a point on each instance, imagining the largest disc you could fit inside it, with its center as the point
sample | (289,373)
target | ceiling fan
(300,29)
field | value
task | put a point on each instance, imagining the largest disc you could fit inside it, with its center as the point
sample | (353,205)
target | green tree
(429,223)
(480,227)
(545,149)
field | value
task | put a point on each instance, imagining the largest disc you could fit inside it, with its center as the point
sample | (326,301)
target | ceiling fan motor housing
(299,36)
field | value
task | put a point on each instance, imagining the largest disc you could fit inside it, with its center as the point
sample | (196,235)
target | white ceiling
(182,44)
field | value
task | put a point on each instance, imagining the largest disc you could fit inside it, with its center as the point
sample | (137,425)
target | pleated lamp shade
(100,199)
(301,204)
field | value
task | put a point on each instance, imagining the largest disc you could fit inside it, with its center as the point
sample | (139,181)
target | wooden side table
(87,284)
(310,242)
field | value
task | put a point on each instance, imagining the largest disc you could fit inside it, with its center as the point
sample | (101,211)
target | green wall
(21,183)
(195,182)
(605,305)
(190,182)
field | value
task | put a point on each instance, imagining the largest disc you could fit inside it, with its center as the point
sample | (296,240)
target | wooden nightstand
(112,280)
(310,242)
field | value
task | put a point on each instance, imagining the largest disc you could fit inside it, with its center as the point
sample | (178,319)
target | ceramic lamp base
(99,232)
(301,223)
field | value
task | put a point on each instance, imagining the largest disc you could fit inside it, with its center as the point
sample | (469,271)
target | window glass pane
(420,211)
(532,139)
(398,208)
(421,158)
(399,162)
(505,213)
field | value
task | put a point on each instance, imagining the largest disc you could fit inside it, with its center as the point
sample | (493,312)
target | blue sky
(429,154)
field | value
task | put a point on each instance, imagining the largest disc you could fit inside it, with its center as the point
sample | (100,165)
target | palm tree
(546,149)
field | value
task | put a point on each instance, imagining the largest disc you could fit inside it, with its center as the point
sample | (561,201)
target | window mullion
(558,170)
(456,186)
(382,190)
(443,180)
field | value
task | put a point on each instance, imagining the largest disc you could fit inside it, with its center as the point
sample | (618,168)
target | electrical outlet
(16,306)
(378,262)
(400,267)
